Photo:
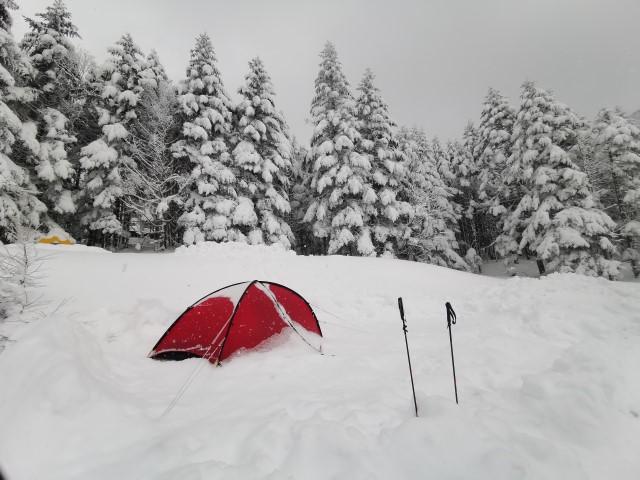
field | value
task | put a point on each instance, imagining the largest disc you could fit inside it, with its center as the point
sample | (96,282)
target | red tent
(239,316)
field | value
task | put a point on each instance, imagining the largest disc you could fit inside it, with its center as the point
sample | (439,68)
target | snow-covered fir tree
(19,205)
(492,150)
(379,143)
(48,45)
(343,195)
(300,197)
(263,157)
(616,169)
(465,179)
(154,72)
(203,149)
(119,80)
(556,219)
(427,225)
(442,157)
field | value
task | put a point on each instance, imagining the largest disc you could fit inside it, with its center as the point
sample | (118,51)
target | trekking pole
(451,320)
(404,328)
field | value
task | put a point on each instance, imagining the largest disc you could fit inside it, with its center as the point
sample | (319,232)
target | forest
(119,156)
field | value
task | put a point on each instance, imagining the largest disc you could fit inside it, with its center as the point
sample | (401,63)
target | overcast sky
(434,59)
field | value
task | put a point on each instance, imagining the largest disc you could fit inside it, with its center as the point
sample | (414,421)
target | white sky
(434,59)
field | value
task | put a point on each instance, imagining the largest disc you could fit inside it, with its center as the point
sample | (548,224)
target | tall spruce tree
(263,157)
(616,169)
(48,45)
(556,219)
(379,143)
(465,179)
(492,151)
(343,196)
(119,80)
(203,149)
(301,196)
(19,205)
(154,72)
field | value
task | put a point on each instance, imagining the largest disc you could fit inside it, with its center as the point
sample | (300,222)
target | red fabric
(296,307)
(198,328)
(256,319)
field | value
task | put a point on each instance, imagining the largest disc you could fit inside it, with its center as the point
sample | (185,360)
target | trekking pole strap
(451,315)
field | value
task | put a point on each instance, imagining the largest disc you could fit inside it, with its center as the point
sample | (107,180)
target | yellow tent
(57,236)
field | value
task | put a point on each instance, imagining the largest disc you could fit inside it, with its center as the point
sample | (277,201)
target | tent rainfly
(240,316)
(57,236)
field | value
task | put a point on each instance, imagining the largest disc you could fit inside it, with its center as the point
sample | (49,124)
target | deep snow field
(548,375)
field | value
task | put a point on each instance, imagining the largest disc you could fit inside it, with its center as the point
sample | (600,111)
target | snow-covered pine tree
(492,150)
(300,197)
(203,149)
(616,168)
(556,219)
(263,158)
(343,196)
(120,81)
(465,178)
(442,156)
(48,45)
(19,205)
(154,72)
(428,218)
(379,143)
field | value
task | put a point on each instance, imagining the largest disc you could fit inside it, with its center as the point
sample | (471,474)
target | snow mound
(547,375)
(215,249)
(74,248)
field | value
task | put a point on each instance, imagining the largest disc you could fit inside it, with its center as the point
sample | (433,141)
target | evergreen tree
(203,149)
(442,157)
(428,218)
(379,143)
(48,44)
(465,175)
(556,219)
(492,151)
(616,168)
(120,81)
(263,156)
(301,196)
(153,74)
(19,205)
(343,196)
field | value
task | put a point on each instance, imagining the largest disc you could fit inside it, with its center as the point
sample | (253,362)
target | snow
(547,374)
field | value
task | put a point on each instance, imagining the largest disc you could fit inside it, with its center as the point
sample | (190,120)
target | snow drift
(547,373)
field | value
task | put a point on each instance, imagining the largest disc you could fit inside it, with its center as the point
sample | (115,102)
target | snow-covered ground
(548,374)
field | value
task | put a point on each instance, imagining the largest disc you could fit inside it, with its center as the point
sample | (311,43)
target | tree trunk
(541,269)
